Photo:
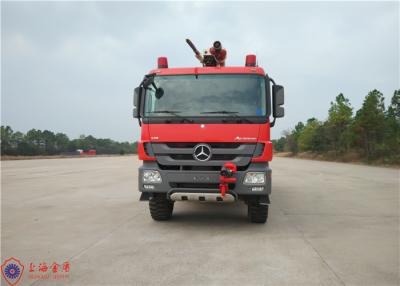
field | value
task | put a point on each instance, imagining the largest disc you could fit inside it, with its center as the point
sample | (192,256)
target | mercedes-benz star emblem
(202,152)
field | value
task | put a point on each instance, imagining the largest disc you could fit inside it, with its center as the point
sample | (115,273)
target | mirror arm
(272,124)
(137,108)
(147,80)
(271,80)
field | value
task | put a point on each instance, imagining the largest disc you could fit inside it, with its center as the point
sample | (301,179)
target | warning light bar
(162,63)
(251,60)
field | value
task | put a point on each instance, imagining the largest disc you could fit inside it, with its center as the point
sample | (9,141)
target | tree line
(372,132)
(37,142)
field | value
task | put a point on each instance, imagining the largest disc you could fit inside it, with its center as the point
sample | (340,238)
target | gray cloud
(72,67)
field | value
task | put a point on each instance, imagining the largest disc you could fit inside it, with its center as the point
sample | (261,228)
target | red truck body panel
(243,133)
(209,70)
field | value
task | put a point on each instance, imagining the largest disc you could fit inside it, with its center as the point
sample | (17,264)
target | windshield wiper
(234,114)
(219,112)
(174,113)
(166,111)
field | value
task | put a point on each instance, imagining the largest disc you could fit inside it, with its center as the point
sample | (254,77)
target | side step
(202,197)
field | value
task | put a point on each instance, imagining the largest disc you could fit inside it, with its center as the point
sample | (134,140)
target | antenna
(257,58)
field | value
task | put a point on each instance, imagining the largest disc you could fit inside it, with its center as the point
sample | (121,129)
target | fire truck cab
(205,136)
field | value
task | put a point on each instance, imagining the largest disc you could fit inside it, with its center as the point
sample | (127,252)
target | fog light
(257,189)
(151,176)
(149,187)
(254,178)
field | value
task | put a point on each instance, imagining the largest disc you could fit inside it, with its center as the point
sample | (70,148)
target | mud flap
(145,196)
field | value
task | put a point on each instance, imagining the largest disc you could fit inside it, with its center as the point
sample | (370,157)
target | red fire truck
(205,136)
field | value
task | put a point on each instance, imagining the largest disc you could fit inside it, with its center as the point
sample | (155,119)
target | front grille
(201,168)
(196,168)
(224,157)
(181,144)
(169,167)
(213,157)
(147,149)
(212,144)
(180,155)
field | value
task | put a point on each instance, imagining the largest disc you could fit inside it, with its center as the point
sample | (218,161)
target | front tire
(258,213)
(160,207)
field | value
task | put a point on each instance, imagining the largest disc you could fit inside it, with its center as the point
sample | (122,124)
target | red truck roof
(209,70)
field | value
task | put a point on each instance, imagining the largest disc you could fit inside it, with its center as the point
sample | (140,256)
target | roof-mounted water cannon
(212,57)
(162,63)
(251,60)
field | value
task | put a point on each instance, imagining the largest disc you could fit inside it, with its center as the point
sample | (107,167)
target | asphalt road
(329,224)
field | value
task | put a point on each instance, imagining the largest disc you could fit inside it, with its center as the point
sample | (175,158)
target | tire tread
(160,207)
(258,213)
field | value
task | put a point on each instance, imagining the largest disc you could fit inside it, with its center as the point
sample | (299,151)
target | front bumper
(203,181)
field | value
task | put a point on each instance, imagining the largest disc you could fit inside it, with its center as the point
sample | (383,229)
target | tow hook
(226,177)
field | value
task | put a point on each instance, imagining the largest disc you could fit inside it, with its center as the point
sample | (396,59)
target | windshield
(207,96)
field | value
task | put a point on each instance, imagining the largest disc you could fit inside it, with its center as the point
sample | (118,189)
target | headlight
(152,177)
(254,178)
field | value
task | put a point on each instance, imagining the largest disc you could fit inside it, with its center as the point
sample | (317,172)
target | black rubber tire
(160,207)
(257,213)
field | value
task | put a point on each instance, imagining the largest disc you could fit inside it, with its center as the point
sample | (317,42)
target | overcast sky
(71,67)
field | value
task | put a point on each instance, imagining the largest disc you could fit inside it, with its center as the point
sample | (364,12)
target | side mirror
(159,92)
(136,102)
(278,99)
